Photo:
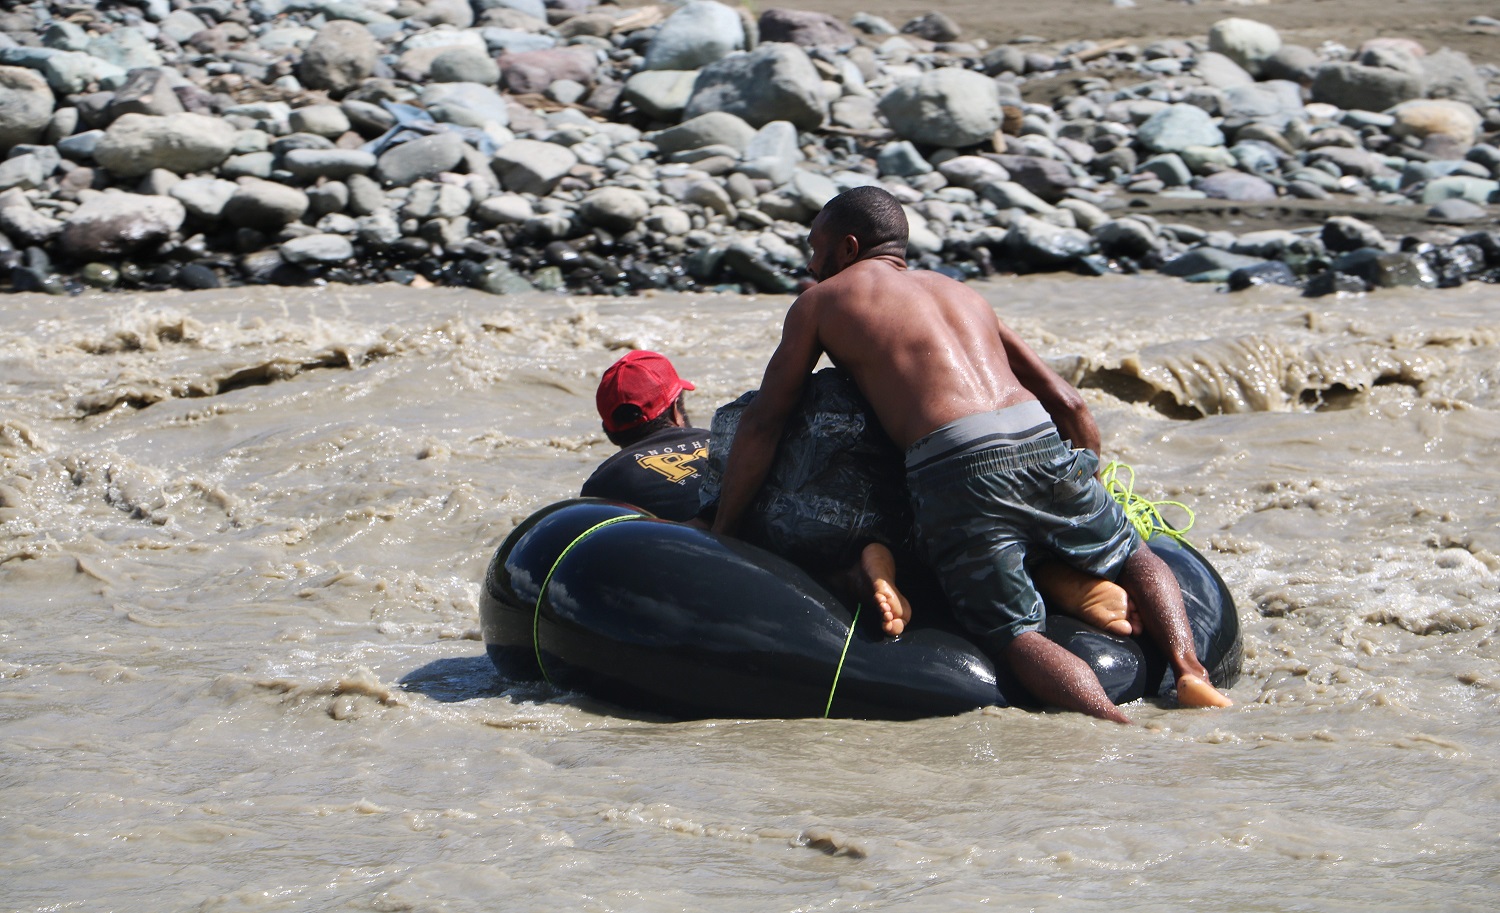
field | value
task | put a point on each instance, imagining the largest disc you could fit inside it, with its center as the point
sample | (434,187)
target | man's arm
(762,422)
(1061,400)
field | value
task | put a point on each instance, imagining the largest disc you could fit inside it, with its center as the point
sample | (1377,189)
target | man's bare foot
(1193,691)
(1092,600)
(878,566)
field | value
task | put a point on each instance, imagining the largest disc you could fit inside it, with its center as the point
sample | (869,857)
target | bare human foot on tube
(878,566)
(1193,691)
(1089,599)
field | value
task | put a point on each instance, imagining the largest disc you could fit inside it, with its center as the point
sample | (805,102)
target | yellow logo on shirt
(675,467)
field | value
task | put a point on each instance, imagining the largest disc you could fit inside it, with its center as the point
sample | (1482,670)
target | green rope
(536,615)
(1143,514)
(836,672)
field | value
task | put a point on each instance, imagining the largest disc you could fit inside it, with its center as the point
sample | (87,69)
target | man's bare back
(926,351)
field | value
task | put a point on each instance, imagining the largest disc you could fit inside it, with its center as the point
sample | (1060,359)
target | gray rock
(772,82)
(147,91)
(1220,72)
(1358,162)
(62,35)
(946,107)
(369,119)
(1007,58)
(933,26)
(855,112)
(660,94)
(318,248)
(1270,244)
(320,120)
(805,28)
(203,198)
(1127,237)
(326,199)
(1245,41)
(532,166)
(1048,178)
(426,157)
(1450,74)
(1169,168)
(117,224)
(466,104)
(698,34)
(812,190)
(1346,233)
(1351,85)
(534,71)
(1237,186)
(335,164)
(1010,195)
(80,146)
(26,104)
(1042,245)
(772,153)
(1177,127)
(1211,260)
(343,55)
(615,209)
(251,164)
(1457,212)
(902,159)
(516,41)
(713,128)
(753,263)
(66,72)
(1292,62)
(179,26)
(972,171)
(182,143)
(23,224)
(126,48)
(264,205)
(25,171)
(1475,190)
(464,64)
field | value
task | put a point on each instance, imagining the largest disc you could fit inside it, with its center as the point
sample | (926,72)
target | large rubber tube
(671,620)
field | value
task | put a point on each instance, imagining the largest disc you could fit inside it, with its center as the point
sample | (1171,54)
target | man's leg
(1158,599)
(1058,678)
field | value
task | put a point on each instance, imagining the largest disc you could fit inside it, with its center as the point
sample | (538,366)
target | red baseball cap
(642,379)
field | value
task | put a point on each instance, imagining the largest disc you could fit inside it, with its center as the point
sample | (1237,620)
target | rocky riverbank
(518,144)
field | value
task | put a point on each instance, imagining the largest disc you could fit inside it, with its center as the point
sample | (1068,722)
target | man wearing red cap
(640,402)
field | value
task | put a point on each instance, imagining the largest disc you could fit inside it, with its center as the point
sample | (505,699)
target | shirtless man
(982,419)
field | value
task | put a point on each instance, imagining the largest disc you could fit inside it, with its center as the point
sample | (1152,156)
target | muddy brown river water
(243,535)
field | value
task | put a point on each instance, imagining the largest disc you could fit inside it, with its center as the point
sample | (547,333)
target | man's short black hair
(870,214)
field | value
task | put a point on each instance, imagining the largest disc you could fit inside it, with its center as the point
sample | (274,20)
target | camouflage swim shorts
(978,514)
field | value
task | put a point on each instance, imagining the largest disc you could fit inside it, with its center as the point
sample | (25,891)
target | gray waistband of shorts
(993,459)
(1014,425)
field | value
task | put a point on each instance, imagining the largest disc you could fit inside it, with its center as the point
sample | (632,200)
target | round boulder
(696,35)
(180,143)
(115,224)
(776,81)
(1245,41)
(946,107)
(264,205)
(614,209)
(342,56)
(26,104)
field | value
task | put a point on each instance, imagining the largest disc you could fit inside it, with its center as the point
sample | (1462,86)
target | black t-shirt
(659,473)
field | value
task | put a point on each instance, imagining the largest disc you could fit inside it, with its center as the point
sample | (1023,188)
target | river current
(244,531)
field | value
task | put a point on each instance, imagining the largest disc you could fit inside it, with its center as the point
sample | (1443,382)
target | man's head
(855,225)
(639,394)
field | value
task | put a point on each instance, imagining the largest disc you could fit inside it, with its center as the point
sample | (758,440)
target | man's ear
(850,245)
